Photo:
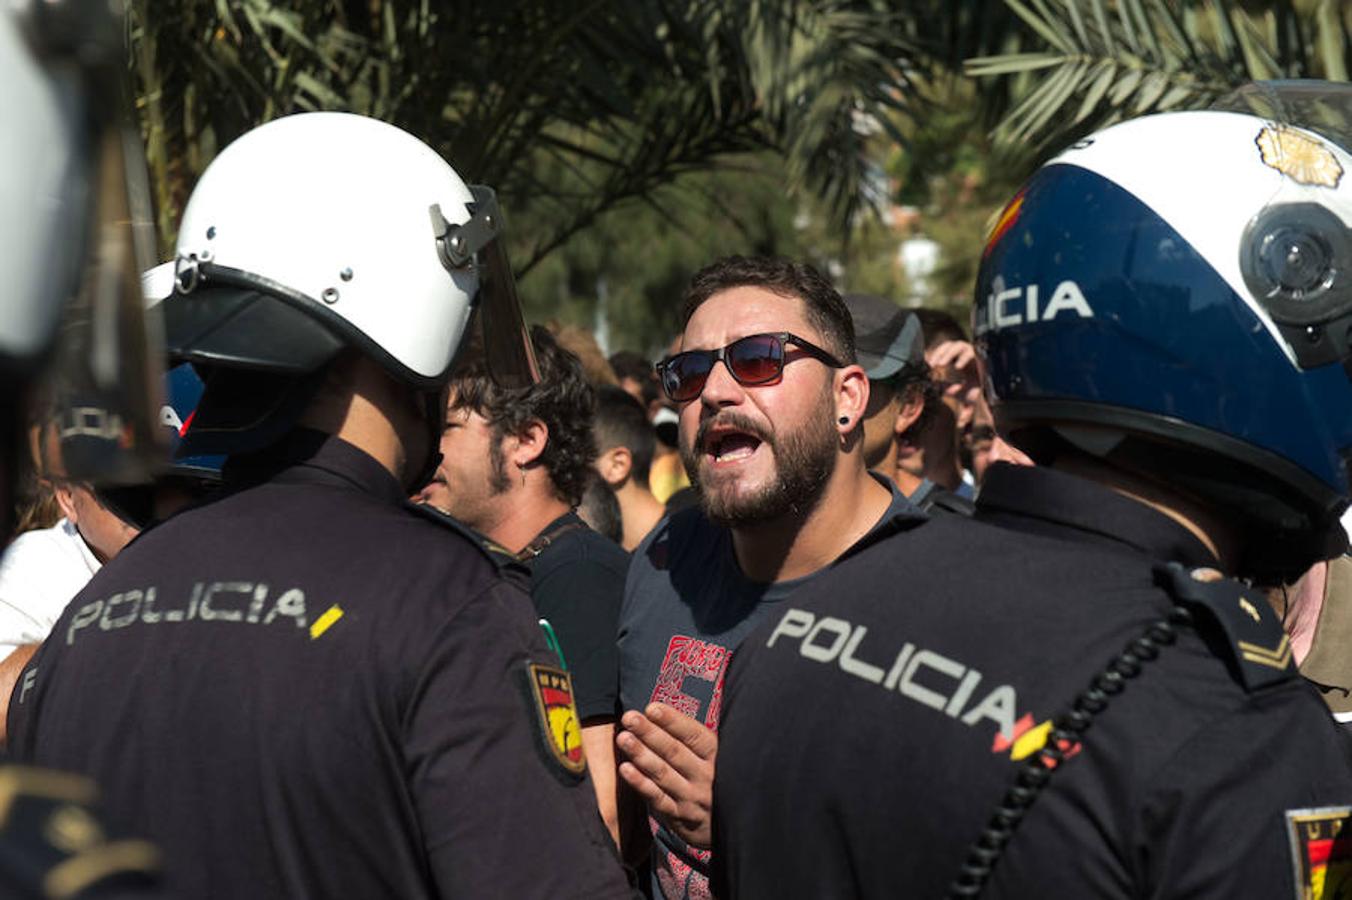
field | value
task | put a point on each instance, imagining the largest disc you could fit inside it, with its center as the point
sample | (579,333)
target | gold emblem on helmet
(1300,158)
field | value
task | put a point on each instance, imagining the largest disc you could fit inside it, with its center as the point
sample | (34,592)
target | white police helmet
(321,231)
(361,231)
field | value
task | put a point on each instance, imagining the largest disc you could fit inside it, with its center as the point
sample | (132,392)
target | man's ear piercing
(844,420)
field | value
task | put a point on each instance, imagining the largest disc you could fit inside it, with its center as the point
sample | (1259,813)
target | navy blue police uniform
(307,689)
(1035,695)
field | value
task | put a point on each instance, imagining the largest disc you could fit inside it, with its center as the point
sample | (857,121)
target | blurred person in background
(935,450)
(638,379)
(515,463)
(600,510)
(1316,611)
(626,442)
(891,348)
(668,478)
(35,507)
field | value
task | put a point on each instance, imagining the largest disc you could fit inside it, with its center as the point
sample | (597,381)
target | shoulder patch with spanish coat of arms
(1321,851)
(558,725)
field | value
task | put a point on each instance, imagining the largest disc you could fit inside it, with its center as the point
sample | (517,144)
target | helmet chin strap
(432,413)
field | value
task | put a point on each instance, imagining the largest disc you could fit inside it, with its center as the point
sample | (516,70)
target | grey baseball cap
(886,337)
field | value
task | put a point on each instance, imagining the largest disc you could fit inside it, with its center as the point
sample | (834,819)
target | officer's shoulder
(480,547)
(1235,621)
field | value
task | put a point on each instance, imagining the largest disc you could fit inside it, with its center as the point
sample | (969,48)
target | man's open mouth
(728,441)
(732,446)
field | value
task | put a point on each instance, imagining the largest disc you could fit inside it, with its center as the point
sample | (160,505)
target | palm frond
(1096,61)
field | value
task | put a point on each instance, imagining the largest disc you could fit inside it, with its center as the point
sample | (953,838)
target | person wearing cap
(307,687)
(770,402)
(891,348)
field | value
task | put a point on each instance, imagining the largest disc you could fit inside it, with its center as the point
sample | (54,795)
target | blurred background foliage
(632,141)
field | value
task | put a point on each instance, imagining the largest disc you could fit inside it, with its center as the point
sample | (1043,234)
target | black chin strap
(433,414)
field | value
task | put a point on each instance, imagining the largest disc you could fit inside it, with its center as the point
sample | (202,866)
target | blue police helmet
(183,391)
(1174,295)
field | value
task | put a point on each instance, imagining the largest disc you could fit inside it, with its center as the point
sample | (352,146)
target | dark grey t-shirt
(686,608)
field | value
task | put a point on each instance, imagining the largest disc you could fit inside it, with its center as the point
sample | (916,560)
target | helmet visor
(507,346)
(477,244)
(105,386)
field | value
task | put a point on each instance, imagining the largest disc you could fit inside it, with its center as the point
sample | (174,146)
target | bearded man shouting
(770,400)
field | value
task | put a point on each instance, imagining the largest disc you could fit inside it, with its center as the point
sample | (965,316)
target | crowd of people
(833,599)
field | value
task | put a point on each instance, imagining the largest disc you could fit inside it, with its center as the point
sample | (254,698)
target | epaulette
(1260,648)
(52,845)
(503,560)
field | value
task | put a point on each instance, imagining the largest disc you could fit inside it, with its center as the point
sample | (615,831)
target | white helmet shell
(332,212)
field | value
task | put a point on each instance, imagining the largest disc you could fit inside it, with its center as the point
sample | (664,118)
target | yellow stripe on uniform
(325,622)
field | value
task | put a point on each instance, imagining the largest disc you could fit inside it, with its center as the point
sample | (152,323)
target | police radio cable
(1067,729)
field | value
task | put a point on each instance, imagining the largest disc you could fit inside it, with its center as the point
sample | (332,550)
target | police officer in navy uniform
(1067,696)
(305,688)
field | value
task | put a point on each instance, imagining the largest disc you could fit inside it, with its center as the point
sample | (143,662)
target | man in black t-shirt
(515,462)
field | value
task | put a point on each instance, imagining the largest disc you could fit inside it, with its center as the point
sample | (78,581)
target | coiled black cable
(1067,728)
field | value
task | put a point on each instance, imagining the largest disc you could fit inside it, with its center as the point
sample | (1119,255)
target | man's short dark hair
(621,421)
(825,309)
(601,510)
(563,400)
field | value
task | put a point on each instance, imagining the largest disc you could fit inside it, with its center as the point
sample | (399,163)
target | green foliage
(624,96)
(1098,61)
(640,256)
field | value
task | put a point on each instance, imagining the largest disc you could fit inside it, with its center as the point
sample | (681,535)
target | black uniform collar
(312,457)
(1042,500)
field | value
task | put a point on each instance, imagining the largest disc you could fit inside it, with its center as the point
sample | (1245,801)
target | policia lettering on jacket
(835,640)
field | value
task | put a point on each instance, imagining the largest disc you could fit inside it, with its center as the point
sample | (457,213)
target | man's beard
(803,458)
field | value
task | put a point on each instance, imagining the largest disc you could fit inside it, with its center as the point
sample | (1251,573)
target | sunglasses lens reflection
(757,359)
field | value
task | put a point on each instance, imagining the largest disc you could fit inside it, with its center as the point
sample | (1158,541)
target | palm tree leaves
(1097,61)
(576,108)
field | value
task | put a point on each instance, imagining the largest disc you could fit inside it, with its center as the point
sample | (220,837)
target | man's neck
(795,546)
(1203,524)
(526,512)
(639,512)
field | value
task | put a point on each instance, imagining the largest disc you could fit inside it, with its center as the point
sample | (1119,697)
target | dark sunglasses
(754,359)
